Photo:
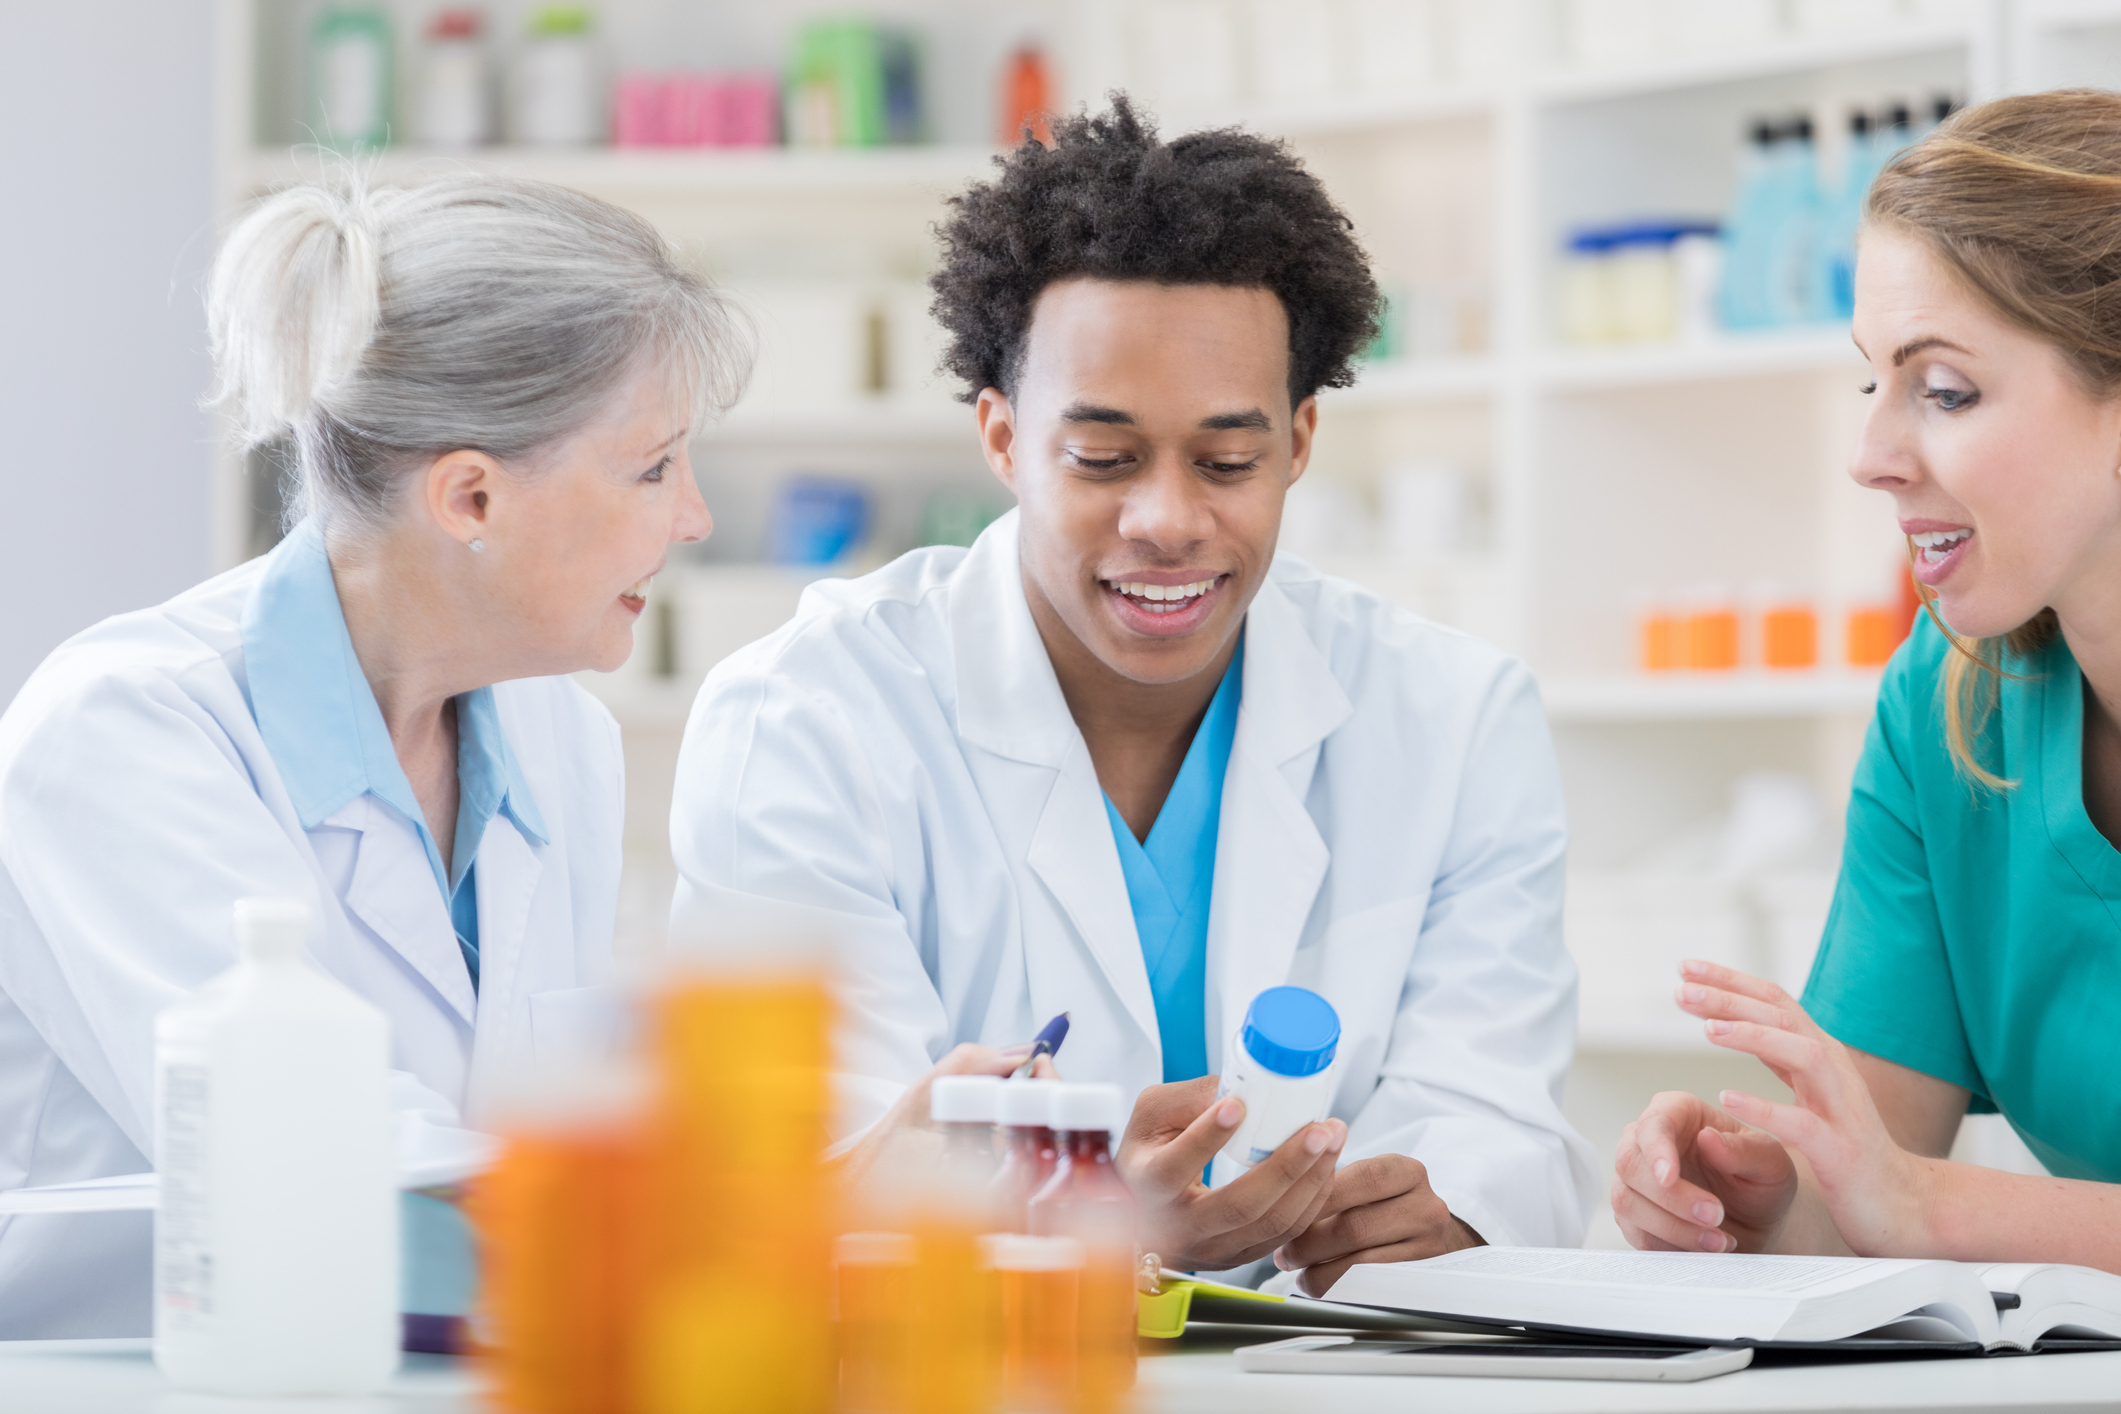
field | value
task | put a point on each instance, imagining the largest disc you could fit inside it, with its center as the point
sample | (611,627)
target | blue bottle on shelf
(1743,303)
(1837,232)
(1794,293)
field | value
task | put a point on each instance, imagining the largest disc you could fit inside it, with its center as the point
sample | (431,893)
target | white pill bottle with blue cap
(1281,1065)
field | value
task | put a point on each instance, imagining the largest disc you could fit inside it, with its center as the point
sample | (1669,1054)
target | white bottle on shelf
(276,1241)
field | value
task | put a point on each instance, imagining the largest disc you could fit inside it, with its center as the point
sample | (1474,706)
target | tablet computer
(1348,1355)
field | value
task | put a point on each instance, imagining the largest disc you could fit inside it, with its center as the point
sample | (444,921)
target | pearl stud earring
(477,546)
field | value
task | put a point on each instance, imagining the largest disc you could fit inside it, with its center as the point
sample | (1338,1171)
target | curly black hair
(1108,200)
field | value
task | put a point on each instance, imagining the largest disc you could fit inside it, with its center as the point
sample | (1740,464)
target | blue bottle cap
(1291,1031)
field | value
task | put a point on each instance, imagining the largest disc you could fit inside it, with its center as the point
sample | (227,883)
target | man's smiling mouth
(1161,598)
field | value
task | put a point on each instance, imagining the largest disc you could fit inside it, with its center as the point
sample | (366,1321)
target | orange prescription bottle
(737,1314)
(872,1309)
(1712,636)
(562,1246)
(1789,635)
(1873,634)
(1028,1154)
(1085,1199)
(1037,1281)
(1660,645)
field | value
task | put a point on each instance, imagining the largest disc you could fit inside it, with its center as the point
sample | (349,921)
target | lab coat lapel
(1270,859)
(508,872)
(1009,703)
(1075,857)
(393,891)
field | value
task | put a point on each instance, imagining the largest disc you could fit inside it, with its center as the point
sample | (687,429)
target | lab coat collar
(1008,699)
(319,717)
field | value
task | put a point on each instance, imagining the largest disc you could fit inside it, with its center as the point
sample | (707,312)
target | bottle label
(184,1259)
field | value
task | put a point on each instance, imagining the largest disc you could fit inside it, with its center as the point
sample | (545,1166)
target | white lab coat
(1391,836)
(137,804)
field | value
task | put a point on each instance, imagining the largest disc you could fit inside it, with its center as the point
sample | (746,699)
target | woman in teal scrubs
(1972,960)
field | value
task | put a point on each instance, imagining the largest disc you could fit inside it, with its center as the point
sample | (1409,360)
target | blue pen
(1047,1042)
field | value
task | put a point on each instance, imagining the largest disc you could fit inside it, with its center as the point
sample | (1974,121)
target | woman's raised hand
(1873,1190)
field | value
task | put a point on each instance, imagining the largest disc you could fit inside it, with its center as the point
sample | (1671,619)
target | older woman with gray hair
(489,386)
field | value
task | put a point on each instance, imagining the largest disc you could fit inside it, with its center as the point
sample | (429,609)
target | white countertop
(119,1377)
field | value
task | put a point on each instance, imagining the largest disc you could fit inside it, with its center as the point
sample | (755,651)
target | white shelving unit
(1601,471)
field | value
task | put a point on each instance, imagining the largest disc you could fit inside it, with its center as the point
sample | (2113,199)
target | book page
(1669,1270)
(2054,1294)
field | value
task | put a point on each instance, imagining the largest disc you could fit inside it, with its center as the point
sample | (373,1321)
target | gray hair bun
(381,327)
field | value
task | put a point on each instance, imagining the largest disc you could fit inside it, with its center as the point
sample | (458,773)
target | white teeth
(1161,593)
(1939,539)
(640,588)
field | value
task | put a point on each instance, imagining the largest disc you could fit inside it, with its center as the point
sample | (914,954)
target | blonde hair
(379,327)
(2021,199)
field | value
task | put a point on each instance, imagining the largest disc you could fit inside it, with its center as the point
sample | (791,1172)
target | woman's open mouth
(636,598)
(1937,553)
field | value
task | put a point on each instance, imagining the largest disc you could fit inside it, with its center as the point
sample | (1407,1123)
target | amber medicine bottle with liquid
(1028,1155)
(1086,1200)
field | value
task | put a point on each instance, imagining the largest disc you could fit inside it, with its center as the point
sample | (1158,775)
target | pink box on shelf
(747,111)
(688,110)
(637,110)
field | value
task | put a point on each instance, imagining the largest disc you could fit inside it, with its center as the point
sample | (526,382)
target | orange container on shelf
(1659,641)
(1789,636)
(1027,98)
(1712,638)
(562,1240)
(1873,633)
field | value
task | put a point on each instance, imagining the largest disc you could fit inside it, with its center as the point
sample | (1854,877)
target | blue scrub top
(1171,876)
(319,718)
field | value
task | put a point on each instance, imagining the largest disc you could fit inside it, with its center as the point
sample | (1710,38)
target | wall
(106,158)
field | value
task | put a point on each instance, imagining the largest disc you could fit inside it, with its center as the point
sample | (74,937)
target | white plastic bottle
(276,1242)
(1281,1066)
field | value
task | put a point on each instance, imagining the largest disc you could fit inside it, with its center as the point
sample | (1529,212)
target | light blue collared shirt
(319,718)
(1171,877)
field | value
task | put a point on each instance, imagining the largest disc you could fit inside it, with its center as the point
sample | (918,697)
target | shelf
(1336,116)
(2073,14)
(1683,1037)
(1823,348)
(922,423)
(1579,699)
(1792,55)
(885,172)
(1416,381)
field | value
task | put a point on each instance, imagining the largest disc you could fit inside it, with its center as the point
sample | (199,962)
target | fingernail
(1708,1214)
(1693,967)
(1340,1136)
(1719,1028)
(1228,1113)
(1282,1262)
(1663,1170)
(1732,1100)
(1692,993)
(1712,1241)
(1317,1139)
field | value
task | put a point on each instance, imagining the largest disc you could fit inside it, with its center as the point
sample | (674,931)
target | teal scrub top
(319,719)
(1974,934)
(1171,876)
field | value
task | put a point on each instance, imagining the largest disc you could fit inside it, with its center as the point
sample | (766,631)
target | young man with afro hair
(1118,759)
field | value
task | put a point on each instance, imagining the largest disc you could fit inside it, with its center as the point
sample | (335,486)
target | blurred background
(1605,427)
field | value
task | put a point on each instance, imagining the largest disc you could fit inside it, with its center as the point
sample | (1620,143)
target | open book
(1750,1300)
